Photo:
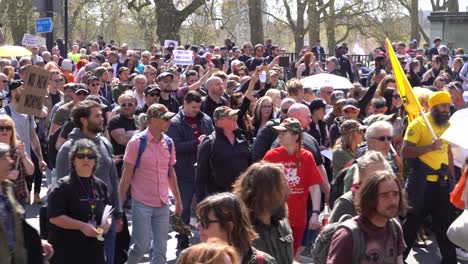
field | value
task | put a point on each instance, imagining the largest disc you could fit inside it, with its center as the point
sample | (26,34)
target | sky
(426,5)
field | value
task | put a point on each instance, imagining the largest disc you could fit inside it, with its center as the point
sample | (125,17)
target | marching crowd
(268,166)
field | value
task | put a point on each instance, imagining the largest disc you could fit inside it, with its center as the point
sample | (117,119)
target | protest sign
(171,43)
(183,57)
(34,91)
(31,40)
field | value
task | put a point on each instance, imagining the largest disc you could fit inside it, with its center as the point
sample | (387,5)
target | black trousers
(36,177)
(437,204)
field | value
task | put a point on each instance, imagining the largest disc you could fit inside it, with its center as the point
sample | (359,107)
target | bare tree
(256,21)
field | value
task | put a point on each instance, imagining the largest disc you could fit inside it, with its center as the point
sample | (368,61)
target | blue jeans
(109,243)
(147,219)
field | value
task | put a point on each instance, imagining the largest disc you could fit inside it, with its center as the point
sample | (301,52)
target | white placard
(327,153)
(31,40)
(171,43)
(183,57)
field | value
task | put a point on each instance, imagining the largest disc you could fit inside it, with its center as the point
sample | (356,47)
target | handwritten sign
(34,92)
(183,57)
(31,40)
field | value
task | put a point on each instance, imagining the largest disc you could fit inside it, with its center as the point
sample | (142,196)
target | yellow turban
(438,98)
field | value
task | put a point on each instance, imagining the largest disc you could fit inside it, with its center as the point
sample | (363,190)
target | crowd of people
(235,141)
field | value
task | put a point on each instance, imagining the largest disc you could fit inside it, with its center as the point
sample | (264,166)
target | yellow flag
(411,103)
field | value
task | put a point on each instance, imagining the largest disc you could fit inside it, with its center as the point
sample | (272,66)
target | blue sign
(44,25)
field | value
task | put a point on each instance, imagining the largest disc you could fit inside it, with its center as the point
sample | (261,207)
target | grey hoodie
(106,170)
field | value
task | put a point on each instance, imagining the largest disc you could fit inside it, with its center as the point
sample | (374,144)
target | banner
(183,57)
(31,40)
(34,92)
(411,103)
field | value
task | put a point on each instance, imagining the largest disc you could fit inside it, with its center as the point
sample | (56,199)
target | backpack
(52,150)
(322,243)
(337,186)
(142,147)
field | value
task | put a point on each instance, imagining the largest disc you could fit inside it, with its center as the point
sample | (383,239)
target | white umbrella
(325,79)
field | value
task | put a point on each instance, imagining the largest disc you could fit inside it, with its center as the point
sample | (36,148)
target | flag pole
(421,112)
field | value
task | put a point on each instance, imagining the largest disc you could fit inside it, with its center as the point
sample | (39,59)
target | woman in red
(303,177)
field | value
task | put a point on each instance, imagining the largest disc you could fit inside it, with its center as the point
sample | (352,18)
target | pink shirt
(150,181)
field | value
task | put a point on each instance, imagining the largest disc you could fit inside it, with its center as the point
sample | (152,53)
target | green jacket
(19,254)
(251,257)
(276,240)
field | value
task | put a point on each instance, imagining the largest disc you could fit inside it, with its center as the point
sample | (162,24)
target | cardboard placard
(34,91)
(171,43)
(31,40)
(183,57)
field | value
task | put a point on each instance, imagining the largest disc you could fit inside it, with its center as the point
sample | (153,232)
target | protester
(75,209)
(379,200)
(224,216)
(213,251)
(267,208)
(347,145)
(149,186)
(430,175)
(187,129)
(302,174)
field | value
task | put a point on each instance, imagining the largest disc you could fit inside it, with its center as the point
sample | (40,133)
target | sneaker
(461,254)
(37,199)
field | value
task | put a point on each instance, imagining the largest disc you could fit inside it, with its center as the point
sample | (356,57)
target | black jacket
(220,163)
(182,136)
(346,69)
(265,137)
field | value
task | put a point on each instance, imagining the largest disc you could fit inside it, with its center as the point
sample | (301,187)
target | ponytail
(299,148)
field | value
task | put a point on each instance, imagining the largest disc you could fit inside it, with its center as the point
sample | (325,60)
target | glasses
(58,80)
(154,94)
(94,84)
(206,224)
(127,104)
(149,73)
(6,128)
(351,111)
(81,93)
(383,138)
(267,106)
(89,156)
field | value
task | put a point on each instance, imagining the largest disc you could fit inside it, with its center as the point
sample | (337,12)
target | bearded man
(430,176)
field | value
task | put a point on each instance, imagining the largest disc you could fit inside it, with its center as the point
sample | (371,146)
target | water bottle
(324,216)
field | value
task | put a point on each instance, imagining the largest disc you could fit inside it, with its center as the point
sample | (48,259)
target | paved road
(429,255)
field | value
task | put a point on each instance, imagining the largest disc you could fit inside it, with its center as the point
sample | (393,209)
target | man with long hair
(378,200)
(267,207)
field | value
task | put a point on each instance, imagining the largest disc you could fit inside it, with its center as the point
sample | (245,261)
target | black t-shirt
(73,197)
(119,121)
(253,62)
(244,58)
(172,104)
(55,98)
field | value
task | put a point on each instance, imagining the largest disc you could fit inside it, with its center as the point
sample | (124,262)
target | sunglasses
(383,138)
(396,96)
(5,81)
(154,94)
(7,128)
(206,224)
(89,156)
(127,104)
(351,111)
(94,84)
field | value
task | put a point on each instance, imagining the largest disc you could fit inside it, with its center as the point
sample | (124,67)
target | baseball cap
(159,111)
(152,87)
(234,49)
(224,111)
(349,126)
(92,78)
(13,85)
(337,97)
(80,87)
(350,103)
(164,75)
(289,124)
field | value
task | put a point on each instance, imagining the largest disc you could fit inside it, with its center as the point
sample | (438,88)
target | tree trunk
(298,42)
(330,25)
(414,10)
(314,22)
(453,6)
(256,22)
